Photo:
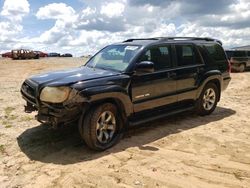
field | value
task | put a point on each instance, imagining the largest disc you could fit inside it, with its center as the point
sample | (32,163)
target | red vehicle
(7,54)
(41,54)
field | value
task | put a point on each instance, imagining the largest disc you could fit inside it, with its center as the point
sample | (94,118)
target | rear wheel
(208,99)
(102,127)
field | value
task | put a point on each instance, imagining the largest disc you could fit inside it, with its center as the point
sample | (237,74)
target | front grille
(28,89)
(28,93)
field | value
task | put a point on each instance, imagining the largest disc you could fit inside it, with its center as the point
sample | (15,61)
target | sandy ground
(181,151)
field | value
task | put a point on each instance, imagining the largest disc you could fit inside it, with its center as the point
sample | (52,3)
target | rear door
(152,90)
(189,66)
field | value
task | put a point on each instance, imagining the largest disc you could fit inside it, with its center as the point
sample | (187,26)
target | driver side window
(159,55)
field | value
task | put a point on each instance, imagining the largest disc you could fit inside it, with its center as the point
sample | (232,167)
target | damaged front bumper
(57,115)
(54,114)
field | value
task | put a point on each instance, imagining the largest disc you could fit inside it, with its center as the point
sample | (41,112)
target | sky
(83,27)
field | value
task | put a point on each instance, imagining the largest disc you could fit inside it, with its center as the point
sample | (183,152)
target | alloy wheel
(209,99)
(105,127)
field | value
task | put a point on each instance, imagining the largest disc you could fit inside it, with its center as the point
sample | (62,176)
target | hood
(70,76)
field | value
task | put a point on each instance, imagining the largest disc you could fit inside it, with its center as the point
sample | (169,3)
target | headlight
(55,94)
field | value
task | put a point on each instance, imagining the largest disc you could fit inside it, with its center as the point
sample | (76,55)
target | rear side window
(159,55)
(215,51)
(248,53)
(186,55)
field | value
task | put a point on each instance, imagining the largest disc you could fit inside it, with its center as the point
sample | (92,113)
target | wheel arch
(215,79)
(115,101)
(218,85)
(113,94)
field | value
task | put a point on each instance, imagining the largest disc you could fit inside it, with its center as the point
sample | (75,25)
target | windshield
(114,57)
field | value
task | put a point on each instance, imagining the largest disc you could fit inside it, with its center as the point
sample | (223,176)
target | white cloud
(12,14)
(56,11)
(104,22)
(15,10)
(8,30)
(65,17)
(100,24)
(114,9)
(87,12)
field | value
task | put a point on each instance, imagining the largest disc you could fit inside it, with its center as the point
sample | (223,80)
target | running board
(160,116)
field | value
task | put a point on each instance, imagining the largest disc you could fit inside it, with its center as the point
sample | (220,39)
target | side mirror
(145,67)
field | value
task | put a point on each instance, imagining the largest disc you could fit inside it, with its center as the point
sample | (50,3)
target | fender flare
(109,93)
(213,76)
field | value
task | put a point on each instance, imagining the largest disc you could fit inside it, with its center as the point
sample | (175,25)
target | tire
(242,67)
(101,127)
(208,100)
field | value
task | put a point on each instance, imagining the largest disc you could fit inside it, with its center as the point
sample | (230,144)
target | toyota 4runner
(130,83)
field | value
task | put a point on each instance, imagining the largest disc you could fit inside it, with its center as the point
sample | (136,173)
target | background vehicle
(24,54)
(67,55)
(41,54)
(53,54)
(130,83)
(239,59)
(7,55)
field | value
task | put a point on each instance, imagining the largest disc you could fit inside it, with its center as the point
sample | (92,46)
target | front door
(152,90)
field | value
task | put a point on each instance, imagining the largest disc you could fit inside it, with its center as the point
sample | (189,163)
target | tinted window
(215,51)
(248,53)
(160,56)
(186,55)
(229,54)
(239,54)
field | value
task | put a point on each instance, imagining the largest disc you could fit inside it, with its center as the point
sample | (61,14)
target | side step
(161,114)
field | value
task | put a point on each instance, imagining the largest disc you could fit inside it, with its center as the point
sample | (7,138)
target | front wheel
(208,99)
(101,128)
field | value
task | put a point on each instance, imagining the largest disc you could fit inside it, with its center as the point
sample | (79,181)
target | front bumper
(58,115)
(47,112)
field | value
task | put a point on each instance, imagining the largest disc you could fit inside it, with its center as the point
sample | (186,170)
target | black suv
(130,83)
(239,59)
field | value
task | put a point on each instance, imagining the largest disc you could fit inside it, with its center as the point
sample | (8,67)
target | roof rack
(193,38)
(130,40)
(176,38)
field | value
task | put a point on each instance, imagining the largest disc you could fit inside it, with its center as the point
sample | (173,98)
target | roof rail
(176,38)
(193,38)
(130,40)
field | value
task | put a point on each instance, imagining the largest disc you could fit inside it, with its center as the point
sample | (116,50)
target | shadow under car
(64,146)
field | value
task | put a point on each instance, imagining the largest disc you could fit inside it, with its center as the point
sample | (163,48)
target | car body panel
(153,90)
(70,76)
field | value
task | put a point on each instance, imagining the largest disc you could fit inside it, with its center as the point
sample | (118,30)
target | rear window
(215,51)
